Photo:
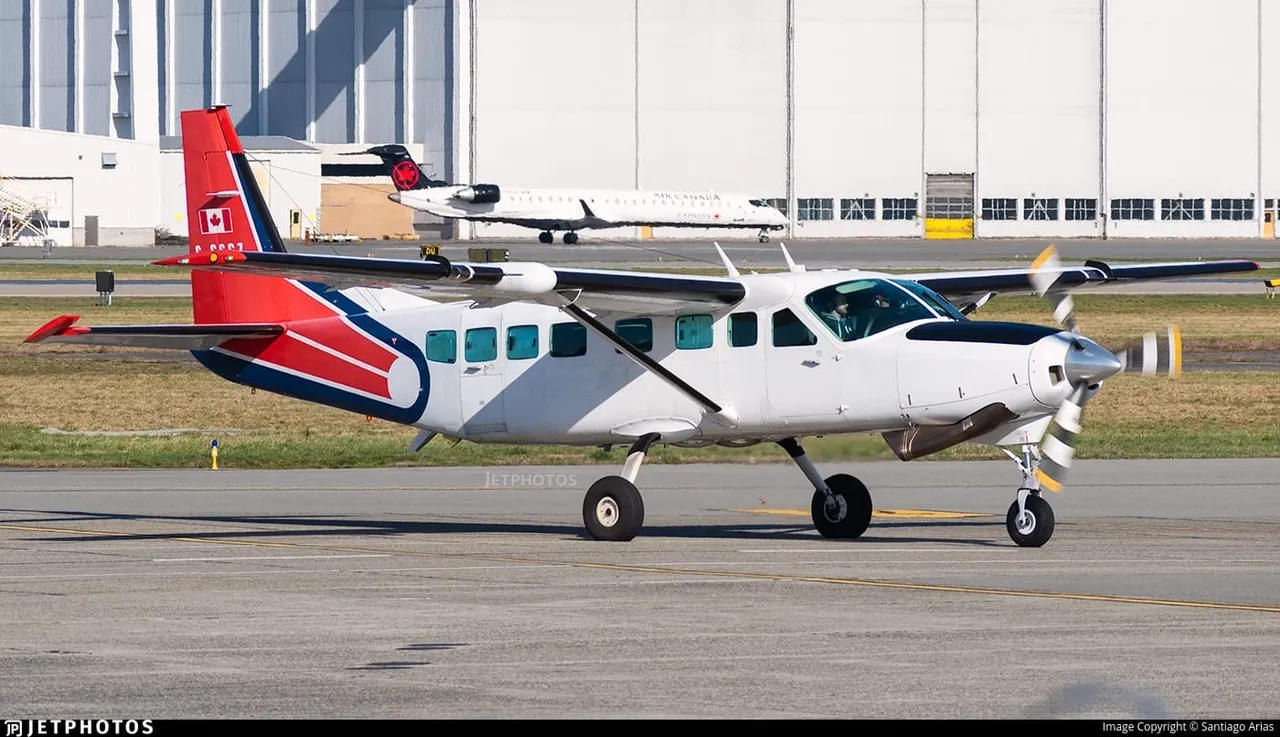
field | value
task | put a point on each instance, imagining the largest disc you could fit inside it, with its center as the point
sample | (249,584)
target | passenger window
(637,331)
(568,339)
(442,346)
(481,345)
(693,332)
(522,342)
(789,331)
(743,329)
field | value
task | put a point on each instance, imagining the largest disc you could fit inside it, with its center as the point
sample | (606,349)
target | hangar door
(948,206)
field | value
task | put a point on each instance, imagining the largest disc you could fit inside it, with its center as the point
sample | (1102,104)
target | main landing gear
(841,506)
(613,508)
(1030,518)
(547,237)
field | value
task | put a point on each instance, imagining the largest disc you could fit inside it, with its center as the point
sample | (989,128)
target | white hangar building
(876,118)
(947,118)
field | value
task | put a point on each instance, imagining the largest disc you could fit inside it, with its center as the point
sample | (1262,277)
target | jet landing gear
(613,508)
(841,505)
(764,235)
(1030,518)
(547,237)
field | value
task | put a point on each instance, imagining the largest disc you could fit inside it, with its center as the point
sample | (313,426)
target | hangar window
(442,346)
(1040,209)
(1233,208)
(1182,209)
(815,208)
(1081,209)
(789,331)
(999,208)
(858,209)
(522,342)
(899,208)
(481,345)
(693,332)
(638,331)
(568,339)
(779,204)
(743,329)
(1131,208)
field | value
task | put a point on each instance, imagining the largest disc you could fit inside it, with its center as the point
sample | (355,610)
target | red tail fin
(227,212)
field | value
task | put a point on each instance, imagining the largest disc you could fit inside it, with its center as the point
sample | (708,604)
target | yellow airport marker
(1271,285)
(213,451)
(889,513)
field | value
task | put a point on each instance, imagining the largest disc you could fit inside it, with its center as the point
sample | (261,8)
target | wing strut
(722,415)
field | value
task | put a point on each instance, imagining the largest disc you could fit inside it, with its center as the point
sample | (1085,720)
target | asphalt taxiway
(473,592)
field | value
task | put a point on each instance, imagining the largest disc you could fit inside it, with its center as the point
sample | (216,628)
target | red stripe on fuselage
(288,352)
(336,334)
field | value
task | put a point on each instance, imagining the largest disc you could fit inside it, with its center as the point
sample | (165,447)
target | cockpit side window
(759,203)
(863,307)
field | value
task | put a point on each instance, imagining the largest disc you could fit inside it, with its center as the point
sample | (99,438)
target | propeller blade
(1058,446)
(1044,274)
(1154,353)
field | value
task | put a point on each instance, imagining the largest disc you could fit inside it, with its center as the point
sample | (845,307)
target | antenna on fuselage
(728,265)
(791,265)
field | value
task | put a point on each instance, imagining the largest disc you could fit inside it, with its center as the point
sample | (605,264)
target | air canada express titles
(1185,727)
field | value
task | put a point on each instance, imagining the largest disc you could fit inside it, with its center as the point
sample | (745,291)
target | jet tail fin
(405,173)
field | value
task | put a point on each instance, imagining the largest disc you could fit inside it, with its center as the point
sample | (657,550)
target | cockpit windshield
(856,309)
(759,203)
(932,298)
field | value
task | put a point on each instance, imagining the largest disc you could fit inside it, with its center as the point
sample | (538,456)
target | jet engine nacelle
(480,194)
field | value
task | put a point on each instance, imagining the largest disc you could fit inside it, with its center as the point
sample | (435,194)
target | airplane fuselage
(529,373)
(571,210)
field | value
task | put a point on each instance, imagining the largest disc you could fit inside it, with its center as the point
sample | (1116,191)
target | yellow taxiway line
(885,513)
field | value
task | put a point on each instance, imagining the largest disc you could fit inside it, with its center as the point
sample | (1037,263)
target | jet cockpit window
(759,203)
(857,309)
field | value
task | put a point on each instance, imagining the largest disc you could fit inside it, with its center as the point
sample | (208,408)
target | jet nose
(1088,363)
(394,196)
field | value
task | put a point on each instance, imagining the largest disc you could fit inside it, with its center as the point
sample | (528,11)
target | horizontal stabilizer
(176,337)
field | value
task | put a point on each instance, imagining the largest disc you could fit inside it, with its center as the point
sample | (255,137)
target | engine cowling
(480,194)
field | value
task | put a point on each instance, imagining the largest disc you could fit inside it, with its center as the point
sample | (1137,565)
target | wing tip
(56,326)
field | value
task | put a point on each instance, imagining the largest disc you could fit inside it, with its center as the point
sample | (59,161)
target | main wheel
(570,238)
(613,509)
(545,237)
(1034,528)
(848,513)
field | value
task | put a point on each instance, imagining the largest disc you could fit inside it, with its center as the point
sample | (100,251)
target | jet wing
(176,337)
(966,284)
(602,290)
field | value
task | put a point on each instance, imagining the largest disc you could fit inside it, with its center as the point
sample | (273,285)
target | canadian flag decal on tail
(215,220)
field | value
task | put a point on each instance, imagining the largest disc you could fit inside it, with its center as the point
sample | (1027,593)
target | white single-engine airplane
(571,210)
(544,355)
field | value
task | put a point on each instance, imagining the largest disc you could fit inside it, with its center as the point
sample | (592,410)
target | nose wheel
(1030,518)
(1030,526)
